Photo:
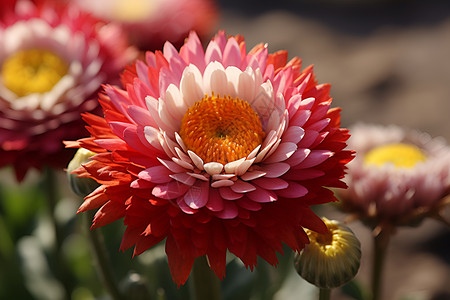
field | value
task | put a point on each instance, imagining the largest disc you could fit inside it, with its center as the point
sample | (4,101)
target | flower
(215,150)
(331,259)
(53,60)
(150,23)
(399,176)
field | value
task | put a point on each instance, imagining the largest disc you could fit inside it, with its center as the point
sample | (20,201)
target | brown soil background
(388,63)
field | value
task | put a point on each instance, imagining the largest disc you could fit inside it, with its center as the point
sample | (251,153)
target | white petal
(213,168)
(232,166)
(191,85)
(198,162)
(175,102)
(244,166)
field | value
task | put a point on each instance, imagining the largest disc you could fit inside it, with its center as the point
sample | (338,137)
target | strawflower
(215,150)
(398,177)
(149,23)
(53,60)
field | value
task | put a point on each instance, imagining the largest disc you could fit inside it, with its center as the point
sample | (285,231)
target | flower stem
(324,294)
(50,190)
(103,265)
(205,284)
(381,241)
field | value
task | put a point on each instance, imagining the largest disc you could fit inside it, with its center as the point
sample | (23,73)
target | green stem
(380,245)
(102,262)
(324,294)
(50,189)
(205,284)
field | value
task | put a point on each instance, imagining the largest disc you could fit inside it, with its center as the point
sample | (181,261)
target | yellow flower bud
(80,185)
(329,260)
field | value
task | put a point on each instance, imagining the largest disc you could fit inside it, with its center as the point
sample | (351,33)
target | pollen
(221,129)
(32,71)
(400,155)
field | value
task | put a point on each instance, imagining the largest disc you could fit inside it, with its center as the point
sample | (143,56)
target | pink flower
(215,150)
(53,60)
(398,177)
(150,23)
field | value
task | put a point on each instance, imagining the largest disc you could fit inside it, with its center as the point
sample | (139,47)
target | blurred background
(388,63)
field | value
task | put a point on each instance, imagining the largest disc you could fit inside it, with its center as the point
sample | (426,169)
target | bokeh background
(388,63)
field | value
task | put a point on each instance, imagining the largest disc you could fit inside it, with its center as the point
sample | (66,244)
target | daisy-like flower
(215,150)
(53,60)
(331,259)
(399,176)
(150,23)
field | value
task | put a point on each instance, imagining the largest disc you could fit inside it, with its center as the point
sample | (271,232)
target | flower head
(215,150)
(150,23)
(53,60)
(399,176)
(330,259)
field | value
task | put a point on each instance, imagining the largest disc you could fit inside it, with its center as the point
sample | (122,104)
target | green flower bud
(329,260)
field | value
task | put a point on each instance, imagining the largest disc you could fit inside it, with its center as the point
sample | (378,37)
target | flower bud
(80,185)
(329,260)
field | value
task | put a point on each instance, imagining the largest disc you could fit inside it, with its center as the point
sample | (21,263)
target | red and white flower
(53,60)
(215,150)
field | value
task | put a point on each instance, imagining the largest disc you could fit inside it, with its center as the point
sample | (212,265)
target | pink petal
(192,52)
(261,195)
(184,207)
(275,170)
(299,156)
(242,187)
(293,134)
(158,174)
(183,178)
(248,204)
(197,196)
(308,139)
(173,167)
(213,53)
(141,116)
(222,183)
(119,127)
(300,118)
(232,54)
(171,190)
(315,158)
(283,152)
(215,202)
(230,211)
(294,190)
(271,184)
(252,175)
(228,194)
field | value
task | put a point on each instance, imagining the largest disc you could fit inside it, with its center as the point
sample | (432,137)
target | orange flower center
(221,129)
(32,71)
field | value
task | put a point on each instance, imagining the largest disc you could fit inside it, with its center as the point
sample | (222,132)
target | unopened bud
(329,260)
(81,186)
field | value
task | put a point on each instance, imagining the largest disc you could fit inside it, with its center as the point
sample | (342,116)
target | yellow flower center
(132,10)
(32,71)
(400,155)
(221,129)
